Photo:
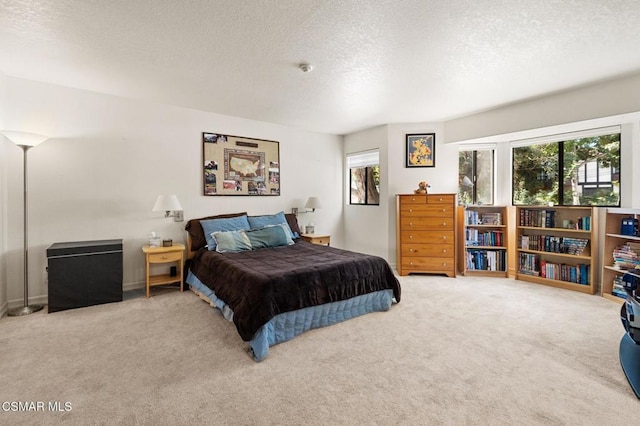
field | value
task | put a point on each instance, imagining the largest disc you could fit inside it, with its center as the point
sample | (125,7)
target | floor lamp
(25,141)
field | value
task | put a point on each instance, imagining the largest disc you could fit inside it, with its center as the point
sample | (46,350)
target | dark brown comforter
(261,284)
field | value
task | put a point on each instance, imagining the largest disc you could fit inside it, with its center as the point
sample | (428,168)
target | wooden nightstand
(323,240)
(156,255)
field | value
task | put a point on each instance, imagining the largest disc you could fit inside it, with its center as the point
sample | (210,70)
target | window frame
(367,165)
(474,178)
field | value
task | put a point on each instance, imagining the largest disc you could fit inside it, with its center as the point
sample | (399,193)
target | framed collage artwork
(235,165)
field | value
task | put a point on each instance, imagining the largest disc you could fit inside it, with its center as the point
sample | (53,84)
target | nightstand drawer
(323,240)
(165,257)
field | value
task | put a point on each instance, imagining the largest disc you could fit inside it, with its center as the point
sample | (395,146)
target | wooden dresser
(425,232)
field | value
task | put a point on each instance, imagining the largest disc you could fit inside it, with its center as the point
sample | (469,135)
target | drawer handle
(410,263)
(440,198)
(410,223)
(413,199)
(410,210)
(444,223)
(444,263)
(164,257)
(444,237)
(444,250)
(410,250)
(444,210)
(410,236)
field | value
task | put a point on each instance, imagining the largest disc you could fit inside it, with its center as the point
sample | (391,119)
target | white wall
(365,225)
(109,157)
(443,178)
(3,206)
(606,99)
(372,229)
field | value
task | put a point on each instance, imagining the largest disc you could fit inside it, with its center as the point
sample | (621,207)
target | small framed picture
(421,150)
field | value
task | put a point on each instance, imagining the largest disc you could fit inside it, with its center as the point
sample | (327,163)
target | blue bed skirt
(288,325)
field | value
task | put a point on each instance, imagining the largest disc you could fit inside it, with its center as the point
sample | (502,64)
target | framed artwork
(421,150)
(235,165)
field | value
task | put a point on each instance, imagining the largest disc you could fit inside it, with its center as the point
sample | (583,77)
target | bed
(275,291)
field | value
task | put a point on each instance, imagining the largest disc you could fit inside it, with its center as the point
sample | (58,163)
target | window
(579,170)
(475,176)
(364,178)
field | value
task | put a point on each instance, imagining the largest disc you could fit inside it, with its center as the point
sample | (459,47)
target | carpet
(453,352)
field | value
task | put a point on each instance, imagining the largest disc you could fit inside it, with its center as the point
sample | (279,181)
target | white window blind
(477,147)
(588,133)
(363,159)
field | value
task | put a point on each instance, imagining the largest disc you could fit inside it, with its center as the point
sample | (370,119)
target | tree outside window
(578,172)
(475,177)
(364,178)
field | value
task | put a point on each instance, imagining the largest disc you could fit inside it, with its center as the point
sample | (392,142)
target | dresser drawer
(428,250)
(426,223)
(426,237)
(430,210)
(412,199)
(441,199)
(445,264)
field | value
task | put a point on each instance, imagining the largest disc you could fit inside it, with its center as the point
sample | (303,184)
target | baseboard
(35,300)
(133,286)
(44,300)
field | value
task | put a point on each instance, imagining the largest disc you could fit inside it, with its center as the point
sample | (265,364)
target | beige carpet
(454,351)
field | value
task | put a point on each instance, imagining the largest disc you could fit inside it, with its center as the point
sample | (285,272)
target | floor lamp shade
(25,140)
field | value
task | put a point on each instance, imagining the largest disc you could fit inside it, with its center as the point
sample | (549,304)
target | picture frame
(237,165)
(420,150)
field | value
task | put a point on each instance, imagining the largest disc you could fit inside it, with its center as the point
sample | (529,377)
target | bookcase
(621,250)
(557,246)
(482,233)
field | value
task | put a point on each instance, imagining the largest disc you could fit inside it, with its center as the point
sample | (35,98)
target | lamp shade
(165,203)
(313,203)
(24,138)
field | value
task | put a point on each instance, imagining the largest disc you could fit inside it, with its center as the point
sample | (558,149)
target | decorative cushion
(257,222)
(196,233)
(269,236)
(211,226)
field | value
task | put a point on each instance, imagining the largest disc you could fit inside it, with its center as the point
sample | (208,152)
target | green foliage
(537,172)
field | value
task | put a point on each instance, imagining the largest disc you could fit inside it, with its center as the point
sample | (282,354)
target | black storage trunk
(84,273)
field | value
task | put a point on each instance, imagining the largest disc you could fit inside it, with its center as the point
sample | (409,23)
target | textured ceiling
(375,62)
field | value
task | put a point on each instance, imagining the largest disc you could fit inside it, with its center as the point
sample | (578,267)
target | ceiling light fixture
(305,67)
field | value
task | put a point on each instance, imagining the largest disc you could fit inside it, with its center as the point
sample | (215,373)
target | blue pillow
(269,236)
(257,222)
(210,226)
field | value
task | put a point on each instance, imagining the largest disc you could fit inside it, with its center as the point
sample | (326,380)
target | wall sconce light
(313,203)
(171,207)
(25,141)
